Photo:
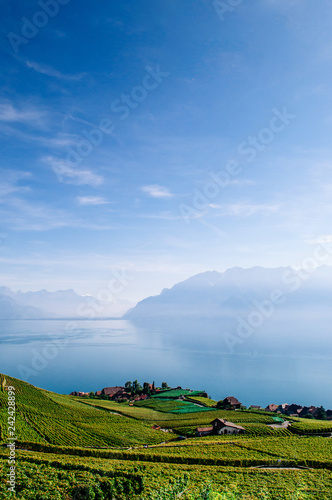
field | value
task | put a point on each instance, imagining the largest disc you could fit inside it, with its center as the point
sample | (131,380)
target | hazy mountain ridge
(59,304)
(10,309)
(213,294)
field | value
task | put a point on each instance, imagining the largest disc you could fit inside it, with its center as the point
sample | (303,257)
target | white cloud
(91,200)
(48,70)
(8,113)
(156,191)
(69,175)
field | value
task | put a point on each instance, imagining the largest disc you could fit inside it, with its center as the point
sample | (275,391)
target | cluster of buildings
(119,393)
(295,410)
(114,393)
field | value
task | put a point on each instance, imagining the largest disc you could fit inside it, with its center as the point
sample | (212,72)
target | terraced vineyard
(305,426)
(176,393)
(203,401)
(43,416)
(171,406)
(93,449)
(48,476)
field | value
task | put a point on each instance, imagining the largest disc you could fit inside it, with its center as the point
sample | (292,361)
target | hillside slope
(47,417)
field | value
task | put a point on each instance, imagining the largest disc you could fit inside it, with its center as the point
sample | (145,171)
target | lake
(279,361)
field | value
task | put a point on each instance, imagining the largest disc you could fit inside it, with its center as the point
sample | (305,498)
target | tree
(146,388)
(164,385)
(139,389)
(128,386)
(321,413)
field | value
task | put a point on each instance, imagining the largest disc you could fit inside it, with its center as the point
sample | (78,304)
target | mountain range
(54,305)
(208,295)
(212,294)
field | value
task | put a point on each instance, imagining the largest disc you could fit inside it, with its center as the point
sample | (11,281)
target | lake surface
(279,361)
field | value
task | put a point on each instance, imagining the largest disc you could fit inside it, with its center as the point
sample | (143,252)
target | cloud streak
(69,175)
(156,191)
(91,200)
(8,113)
(49,71)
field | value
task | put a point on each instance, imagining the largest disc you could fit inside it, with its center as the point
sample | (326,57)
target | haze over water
(282,361)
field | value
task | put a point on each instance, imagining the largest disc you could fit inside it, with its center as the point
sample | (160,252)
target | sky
(149,141)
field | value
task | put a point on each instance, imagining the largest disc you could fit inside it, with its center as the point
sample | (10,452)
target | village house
(231,403)
(111,391)
(306,410)
(142,397)
(293,410)
(271,408)
(282,408)
(220,426)
(79,393)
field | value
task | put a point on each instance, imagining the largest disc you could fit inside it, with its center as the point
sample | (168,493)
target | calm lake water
(281,361)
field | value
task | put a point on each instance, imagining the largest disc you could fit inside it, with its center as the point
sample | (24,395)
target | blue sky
(161,139)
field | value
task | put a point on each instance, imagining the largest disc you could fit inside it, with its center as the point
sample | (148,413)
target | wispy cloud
(49,71)
(8,113)
(156,191)
(23,215)
(27,216)
(92,200)
(246,209)
(170,216)
(70,175)
(326,238)
(9,180)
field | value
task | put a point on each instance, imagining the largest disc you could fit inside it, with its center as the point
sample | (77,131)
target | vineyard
(176,393)
(93,449)
(45,476)
(203,401)
(171,406)
(305,426)
(42,416)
